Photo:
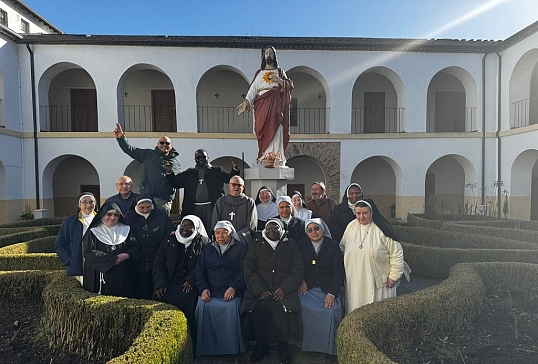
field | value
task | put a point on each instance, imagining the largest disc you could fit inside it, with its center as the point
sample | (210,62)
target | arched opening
(451,103)
(523,91)
(146,100)
(378,102)
(70,176)
(378,181)
(445,187)
(219,92)
(68,99)
(523,199)
(307,171)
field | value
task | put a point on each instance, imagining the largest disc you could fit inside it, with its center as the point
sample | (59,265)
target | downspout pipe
(482,193)
(498,135)
(34,116)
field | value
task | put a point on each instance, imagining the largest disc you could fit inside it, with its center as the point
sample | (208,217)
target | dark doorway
(95,189)
(83,110)
(164,110)
(429,194)
(449,111)
(296,187)
(374,112)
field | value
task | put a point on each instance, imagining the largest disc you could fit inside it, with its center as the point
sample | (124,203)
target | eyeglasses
(112,214)
(236,185)
(88,202)
(314,229)
(126,184)
(164,143)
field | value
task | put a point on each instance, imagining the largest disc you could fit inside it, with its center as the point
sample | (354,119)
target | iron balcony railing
(520,113)
(212,119)
(377,120)
(462,120)
(147,118)
(68,118)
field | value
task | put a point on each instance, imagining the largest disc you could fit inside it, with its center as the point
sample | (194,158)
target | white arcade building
(420,124)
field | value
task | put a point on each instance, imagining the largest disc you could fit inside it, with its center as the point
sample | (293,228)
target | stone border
(327,156)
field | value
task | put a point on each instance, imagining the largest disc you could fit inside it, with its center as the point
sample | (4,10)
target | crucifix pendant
(201,181)
(232,214)
(360,246)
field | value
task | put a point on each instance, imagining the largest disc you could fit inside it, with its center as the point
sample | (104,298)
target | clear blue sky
(459,19)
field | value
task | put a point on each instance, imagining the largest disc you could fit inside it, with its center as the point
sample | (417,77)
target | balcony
(67,118)
(147,118)
(447,120)
(225,120)
(377,120)
(520,113)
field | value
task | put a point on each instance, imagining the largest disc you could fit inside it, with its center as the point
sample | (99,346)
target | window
(3,17)
(25,26)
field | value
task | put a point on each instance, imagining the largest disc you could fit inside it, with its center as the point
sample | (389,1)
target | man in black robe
(202,186)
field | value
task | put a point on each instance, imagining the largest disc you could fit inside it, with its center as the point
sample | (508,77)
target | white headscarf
(111,235)
(198,229)
(226,225)
(144,200)
(266,210)
(321,224)
(288,200)
(274,243)
(352,205)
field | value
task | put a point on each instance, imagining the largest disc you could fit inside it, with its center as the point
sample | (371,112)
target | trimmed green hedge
(436,221)
(40,245)
(101,327)
(373,333)
(530,236)
(436,262)
(456,239)
(35,222)
(22,236)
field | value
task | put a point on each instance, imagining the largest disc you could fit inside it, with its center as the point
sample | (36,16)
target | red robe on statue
(272,109)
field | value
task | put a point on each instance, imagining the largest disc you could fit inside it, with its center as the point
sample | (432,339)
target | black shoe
(284,351)
(260,351)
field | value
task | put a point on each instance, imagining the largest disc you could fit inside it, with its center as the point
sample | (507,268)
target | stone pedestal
(275,178)
(40,213)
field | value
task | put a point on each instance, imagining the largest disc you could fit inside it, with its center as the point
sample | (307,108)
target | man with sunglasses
(152,174)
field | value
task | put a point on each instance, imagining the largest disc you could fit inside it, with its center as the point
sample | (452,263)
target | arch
(218,92)
(63,180)
(451,101)
(384,93)
(524,184)
(68,99)
(327,156)
(311,100)
(146,99)
(523,91)
(381,180)
(445,183)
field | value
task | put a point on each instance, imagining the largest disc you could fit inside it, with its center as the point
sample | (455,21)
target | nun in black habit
(108,249)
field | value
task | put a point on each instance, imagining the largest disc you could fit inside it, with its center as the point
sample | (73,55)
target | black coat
(295,228)
(341,217)
(172,254)
(267,269)
(218,272)
(149,233)
(326,269)
(189,179)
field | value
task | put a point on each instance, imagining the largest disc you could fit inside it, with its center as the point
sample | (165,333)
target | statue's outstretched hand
(118,132)
(244,106)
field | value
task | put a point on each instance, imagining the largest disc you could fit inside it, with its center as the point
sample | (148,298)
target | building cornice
(282,43)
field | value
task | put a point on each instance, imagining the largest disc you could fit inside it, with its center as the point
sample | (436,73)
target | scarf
(111,235)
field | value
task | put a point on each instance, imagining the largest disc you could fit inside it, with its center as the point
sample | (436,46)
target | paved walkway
(299,357)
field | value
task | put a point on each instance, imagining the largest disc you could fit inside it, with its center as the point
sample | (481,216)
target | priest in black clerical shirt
(203,186)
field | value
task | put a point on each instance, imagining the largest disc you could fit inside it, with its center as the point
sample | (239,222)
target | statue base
(275,178)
